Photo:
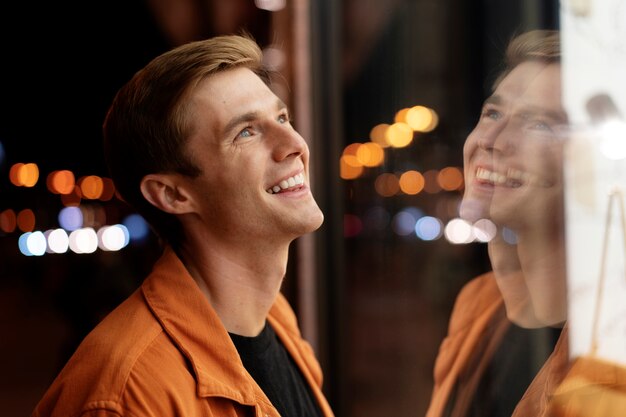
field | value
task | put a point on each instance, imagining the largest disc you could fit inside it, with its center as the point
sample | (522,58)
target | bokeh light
(61,182)
(370,154)
(36,243)
(411,182)
(8,221)
(387,185)
(58,241)
(91,187)
(349,167)
(485,230)
(509,236)
(450,179)
(428,228)
(71,218)
(378,134)
(352,225)
(399,135)
(83,240)
(403,223)
(113,238)
(26,220)
(138,228)
(270,5)
(459,231)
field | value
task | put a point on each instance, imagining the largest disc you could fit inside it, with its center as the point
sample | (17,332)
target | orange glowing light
(91,187)
(399,135)
(14,174)
(411,182)
(378,135)
(420,118)
(450,178)
(349,167)
(351,149)
(28,175)
(61,182)
(26,220)
(370,154)
(8,221)
(387,185)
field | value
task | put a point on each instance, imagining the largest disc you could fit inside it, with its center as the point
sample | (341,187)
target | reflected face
(512,158)
(254,183)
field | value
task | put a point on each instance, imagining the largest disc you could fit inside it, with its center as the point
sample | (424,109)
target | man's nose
(500,137)
(287,142)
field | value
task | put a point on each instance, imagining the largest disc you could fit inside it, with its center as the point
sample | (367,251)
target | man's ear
(165,193)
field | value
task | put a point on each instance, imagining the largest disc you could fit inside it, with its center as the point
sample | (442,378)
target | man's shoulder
(97,373)
(479,298)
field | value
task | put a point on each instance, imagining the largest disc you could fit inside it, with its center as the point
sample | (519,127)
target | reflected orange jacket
(164,352)
(477,323)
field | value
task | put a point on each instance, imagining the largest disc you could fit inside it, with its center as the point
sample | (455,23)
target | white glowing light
(83,240)
(112,238)
(459,231)
(36,243)
(613,143)
(58,241)
(485,230)
(428,228)
(22,244)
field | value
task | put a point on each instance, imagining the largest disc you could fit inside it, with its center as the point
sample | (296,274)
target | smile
(288,184)
(513,178)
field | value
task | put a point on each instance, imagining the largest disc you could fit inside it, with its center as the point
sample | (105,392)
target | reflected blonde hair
(541,45)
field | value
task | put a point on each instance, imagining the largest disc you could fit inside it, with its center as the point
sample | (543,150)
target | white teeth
(513,178)
(287,183)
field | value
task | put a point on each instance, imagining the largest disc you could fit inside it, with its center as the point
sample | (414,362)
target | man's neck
(241,282)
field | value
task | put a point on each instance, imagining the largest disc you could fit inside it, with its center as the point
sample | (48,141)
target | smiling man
(197,142)
(505,352)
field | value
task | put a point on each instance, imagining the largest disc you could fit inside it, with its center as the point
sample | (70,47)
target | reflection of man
(200,145)
(496,358)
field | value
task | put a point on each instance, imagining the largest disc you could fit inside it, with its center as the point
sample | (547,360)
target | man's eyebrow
(494,99)
(249,117)
(530,109)
(533,110)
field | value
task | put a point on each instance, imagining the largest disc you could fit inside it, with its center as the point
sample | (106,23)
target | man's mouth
(513,178)
(288,184)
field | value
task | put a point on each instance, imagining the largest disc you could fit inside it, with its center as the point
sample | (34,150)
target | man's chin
(473,209)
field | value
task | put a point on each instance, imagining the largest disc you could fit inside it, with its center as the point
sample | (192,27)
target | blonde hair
(536,45)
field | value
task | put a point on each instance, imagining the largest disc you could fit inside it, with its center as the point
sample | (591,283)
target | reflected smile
(513,178)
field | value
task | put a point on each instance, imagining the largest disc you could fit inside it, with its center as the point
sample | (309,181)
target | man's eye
(540,125)
(283,118)
(246,133)
(491,114)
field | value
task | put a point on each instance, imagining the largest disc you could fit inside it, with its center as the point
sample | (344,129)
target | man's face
(254,185)
(512,158)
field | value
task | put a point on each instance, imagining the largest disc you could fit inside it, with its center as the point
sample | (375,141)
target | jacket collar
(195,328)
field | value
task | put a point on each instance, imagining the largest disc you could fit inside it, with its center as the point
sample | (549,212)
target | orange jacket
(164,352)
(477,323)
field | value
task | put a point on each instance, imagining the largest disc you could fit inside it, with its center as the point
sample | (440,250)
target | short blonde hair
(536,45)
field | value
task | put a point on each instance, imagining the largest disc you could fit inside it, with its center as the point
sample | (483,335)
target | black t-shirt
(271,366)
(503,367)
